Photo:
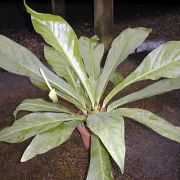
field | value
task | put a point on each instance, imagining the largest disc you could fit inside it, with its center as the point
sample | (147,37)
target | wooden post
(103,21)
(58,7)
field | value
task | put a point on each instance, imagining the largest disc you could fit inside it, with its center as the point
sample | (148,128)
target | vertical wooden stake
(53,6)
(58,7)
(103,20)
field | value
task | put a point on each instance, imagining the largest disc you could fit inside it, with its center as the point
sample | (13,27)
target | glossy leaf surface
(49,139)
(19,60)
(39,105)
(92,52)
(59,34)
(33,124)
(57,62)
(109,127)
(164,61)
(64,70)
(152,121)
(151,90)
(121,47)
(100,165)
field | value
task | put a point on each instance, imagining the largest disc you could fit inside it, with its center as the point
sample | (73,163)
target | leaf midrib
(82,75)
(47,123)
(33,104)
(113,67)
(101,161)
(92,61)
(133,81)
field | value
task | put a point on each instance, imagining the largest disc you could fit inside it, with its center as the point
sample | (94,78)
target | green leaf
(116,77)
(59,34)
(152,121)
(109,127)
(49,139)
(92,52)
(121,47)
(33,124)
(57,62)
(151,90)
(39,84)
(100,165)
(19,60)
(164,61)
(39,105)
(64,70)
(61,66)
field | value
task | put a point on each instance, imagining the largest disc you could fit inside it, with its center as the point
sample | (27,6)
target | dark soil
(148,156)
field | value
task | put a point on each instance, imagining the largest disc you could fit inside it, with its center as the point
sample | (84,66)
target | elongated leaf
(59,34)
(109,127)
(39,105)
(60,65)
(33,124)
(151,90)
(122,46)
(116,78)
(164,61)
(64,70)
(57,62)
(100,165)
(19,60)
(152,121)
(92,52)
(39,84)
(49,139)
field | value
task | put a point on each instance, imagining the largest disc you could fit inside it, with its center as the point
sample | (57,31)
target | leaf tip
(23,159)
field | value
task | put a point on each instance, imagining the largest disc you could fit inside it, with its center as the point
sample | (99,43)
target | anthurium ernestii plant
(78,78)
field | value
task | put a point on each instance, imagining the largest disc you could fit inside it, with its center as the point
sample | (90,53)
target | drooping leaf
(92,52)
(152,121)
(49,139)
(19,60)
(109,127)
(121,47)
(100,165)
(116,77)
(59,34)
(39,105)
(151,90)
(33,124)
(164,61)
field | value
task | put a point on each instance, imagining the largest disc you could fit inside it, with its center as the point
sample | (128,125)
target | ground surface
(149,156)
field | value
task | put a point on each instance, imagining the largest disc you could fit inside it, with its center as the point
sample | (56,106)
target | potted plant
(76,76)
